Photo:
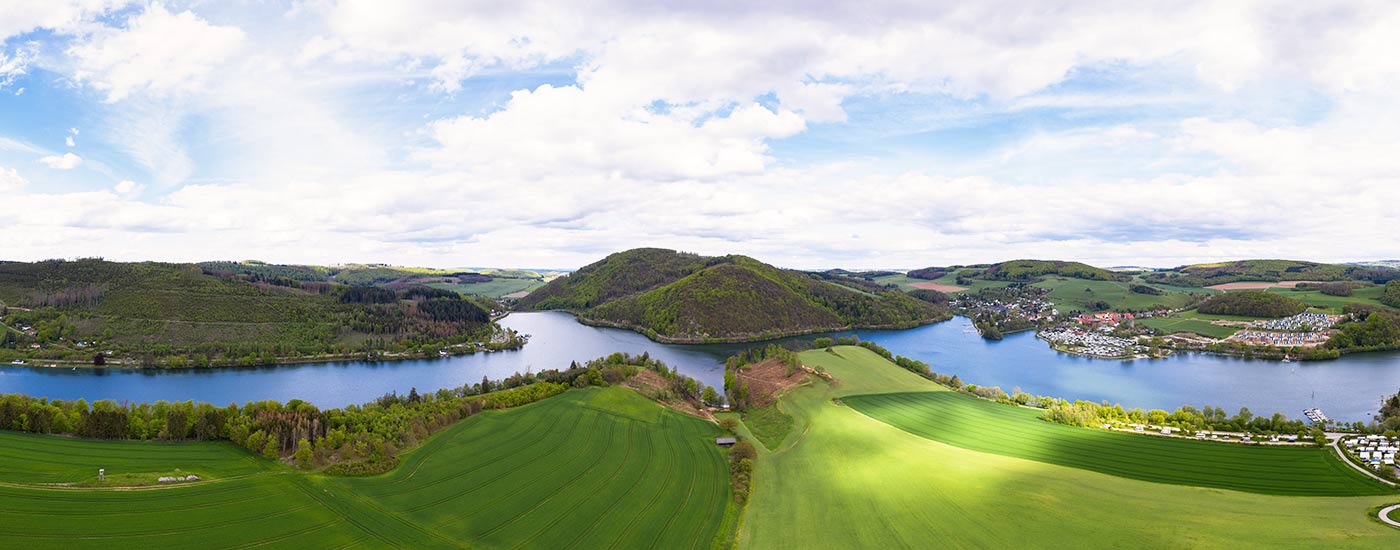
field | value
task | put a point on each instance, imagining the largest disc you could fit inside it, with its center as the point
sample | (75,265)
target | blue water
(1349,388)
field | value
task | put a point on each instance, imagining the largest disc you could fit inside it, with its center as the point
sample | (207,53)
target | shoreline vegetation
(741,339)
(371,445)
(353,440)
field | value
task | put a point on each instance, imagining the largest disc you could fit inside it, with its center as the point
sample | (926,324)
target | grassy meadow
(1173,325)
(846,480)
(1324,303)
(30,458)
(494,289)
(985,426)
(592,468)
(1070,294)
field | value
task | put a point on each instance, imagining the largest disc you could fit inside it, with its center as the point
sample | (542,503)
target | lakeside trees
(356,439)
(1391,295)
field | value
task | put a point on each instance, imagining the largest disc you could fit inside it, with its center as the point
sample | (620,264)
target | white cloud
(67,161)
(127,187)
(268,143)
(157,51)
(11,181)
(16,64)
(569,130)
(69,141)
(22,16)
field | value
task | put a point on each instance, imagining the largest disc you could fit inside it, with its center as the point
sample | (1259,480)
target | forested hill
(1270,271)
(1021,271)
(678,297)
(184,315)
(1033,270)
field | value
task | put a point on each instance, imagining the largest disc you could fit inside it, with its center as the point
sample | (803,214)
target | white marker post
(101,474)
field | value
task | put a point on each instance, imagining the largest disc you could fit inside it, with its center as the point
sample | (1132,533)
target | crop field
(270,511)
(591,468)
(1334,304)
(28,458)
(984,426)
(1172,325)
(846,480)
(1071,293)
(906,283)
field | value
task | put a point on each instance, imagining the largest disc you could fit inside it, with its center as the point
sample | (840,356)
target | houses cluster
(1026,305)
(1104,321)
(1280,339)
(1247,438)
(1373,450)
(1088,343)
(1302,322)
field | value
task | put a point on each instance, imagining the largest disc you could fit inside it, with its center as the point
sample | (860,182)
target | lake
(1348,389)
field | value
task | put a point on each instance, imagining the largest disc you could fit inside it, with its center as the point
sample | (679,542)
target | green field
(29,458)
(768,424)
(1172,325)
(591,468)
(1070,294)
(906,283)
(845,480)
(989,427)
(1334,304)
(494,289)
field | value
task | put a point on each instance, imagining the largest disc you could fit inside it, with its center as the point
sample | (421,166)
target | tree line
(352,440)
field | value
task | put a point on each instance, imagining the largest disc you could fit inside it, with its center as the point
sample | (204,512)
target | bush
(1144,289)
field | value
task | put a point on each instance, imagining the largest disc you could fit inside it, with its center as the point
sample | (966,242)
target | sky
(808,134)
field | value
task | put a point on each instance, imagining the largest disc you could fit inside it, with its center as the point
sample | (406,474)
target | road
(1385,515)
(1336,446)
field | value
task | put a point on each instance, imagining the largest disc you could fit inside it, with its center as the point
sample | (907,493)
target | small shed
(725,441)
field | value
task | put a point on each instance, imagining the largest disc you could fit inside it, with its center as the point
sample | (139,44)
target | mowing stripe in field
(592,468)
(587,469)
(984,426)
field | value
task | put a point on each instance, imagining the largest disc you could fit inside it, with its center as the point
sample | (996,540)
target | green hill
(948,471)
(679,297)
(184,315)
(1034,270)
(1270,271)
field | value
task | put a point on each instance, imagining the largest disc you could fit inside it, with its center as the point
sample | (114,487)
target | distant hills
(1201,275)
(679,297)
(166,314)
(490,283)
(1021,271)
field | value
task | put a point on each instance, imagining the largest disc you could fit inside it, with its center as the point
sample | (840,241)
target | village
(1279,339)
(1302,322)
(1092,344)
(1375,451)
